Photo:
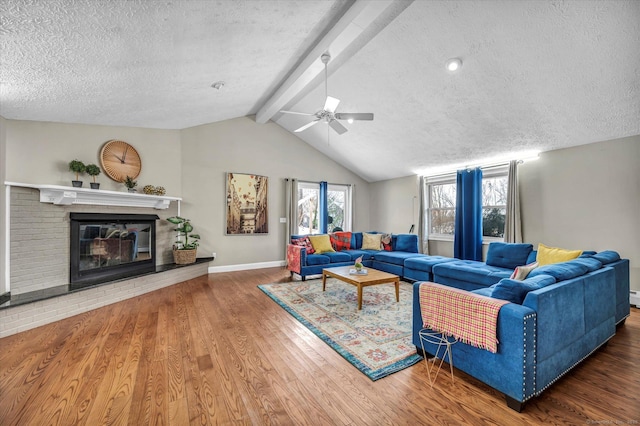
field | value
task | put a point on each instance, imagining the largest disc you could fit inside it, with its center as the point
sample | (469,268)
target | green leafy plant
(184,230)
(130,183)
(77,167)
(93,171)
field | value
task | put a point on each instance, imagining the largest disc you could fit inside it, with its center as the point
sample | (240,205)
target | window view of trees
(442,210)
(308,219)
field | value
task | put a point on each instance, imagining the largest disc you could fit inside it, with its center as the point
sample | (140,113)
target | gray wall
(584,197)
(4,285)
(191,164)
(241,145)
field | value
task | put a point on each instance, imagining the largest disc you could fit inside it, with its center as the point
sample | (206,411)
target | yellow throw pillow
(548,255)
(371,241)
(321,243)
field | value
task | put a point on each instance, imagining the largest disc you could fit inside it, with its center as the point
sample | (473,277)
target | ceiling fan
(328,113)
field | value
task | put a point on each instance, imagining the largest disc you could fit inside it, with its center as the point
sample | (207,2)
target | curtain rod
(484,167)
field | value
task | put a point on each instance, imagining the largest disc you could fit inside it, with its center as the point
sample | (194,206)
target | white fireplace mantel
(67,195)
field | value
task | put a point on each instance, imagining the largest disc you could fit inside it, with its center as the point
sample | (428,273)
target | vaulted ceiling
(536,75)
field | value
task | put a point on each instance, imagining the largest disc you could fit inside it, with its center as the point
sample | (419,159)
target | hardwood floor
(216,350)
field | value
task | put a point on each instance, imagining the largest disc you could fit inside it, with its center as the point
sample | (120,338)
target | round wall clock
(119,160)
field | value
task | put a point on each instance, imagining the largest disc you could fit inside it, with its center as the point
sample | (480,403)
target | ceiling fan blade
(295,112)
(306,126)
(331,104)
(335,125)
(354,115)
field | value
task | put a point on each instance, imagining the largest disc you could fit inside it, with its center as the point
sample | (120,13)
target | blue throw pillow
(591,263)
(407,242)
(508,255)
(607,256)
(561,271)
(512,290)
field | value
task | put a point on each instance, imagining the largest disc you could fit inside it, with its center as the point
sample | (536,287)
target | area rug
(376,339)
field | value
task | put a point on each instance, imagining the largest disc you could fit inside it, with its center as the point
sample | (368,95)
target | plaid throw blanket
(468,317)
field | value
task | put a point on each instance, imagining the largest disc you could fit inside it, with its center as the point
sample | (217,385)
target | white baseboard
(634,298)
(247,266)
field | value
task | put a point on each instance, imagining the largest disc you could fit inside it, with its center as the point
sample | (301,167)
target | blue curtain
(324,208)
(467,242)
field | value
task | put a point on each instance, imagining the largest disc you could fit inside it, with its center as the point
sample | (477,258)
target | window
(338,207)
(441,213)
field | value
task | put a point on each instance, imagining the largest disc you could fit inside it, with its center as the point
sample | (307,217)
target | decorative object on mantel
(93,171)
(184,251)
(154,190)
(77,167)
(130,184)
(119,160)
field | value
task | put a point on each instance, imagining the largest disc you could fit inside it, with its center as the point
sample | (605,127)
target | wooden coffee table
(373,277)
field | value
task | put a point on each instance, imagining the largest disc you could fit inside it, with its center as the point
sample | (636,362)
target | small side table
(442,341)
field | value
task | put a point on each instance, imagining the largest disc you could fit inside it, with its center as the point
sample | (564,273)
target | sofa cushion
(394,257)
(356,240)
(521,272)
(532,256)
(407,242)
(371,241)
(483,291)
(338,256)
(366,255)
(304,242)
(340,240)
(561,271)
(513,290)
(607,256)
(321,243)
(591,263)
(425,263)
(508,255)
(549,255)
(471,271)
(318,259)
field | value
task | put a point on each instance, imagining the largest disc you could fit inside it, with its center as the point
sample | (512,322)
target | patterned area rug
(376,340)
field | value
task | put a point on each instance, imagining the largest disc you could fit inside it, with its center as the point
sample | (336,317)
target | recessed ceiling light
(453,64)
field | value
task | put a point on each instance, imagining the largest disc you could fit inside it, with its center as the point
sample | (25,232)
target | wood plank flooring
(216,350)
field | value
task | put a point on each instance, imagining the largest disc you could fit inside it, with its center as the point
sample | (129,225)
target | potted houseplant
(93,170)
(186,244)
(77,167)
(130,184)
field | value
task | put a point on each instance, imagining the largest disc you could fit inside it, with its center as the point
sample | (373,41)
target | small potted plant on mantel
(93,170)
(77,167)
(130,184)
(186,244)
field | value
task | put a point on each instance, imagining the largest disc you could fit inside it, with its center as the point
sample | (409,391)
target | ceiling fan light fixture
(453,64)
(350,120)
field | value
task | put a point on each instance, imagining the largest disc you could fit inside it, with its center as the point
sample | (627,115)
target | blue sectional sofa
(558,315)
(403,247)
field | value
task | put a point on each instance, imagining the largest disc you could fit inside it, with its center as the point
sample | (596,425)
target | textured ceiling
(537,75)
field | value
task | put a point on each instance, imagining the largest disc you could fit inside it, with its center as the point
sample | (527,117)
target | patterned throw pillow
(386,242)
(371,241)
(304,242)
(521,272)
(340,240)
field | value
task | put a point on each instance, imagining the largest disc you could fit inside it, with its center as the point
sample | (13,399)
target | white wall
(39,153)
(395,204)
(584,197)
(243,146)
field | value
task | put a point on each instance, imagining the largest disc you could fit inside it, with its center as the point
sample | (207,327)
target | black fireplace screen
(105,247)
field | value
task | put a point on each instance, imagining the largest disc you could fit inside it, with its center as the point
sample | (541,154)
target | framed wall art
(247,204)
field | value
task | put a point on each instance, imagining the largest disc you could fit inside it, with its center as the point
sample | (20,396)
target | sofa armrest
(512,369)
(296,258)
